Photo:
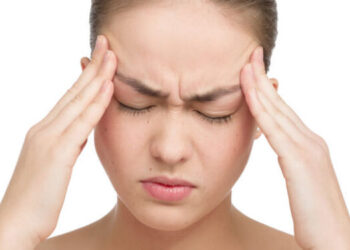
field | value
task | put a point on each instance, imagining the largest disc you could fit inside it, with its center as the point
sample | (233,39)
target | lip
(167,193)
(169,181)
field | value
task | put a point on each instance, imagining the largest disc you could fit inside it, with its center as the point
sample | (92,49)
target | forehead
(190,43)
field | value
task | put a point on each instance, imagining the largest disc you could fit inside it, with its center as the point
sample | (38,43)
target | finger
(82,100)
(88,74)
(74,137)
(83,145)
(270,92)
(266,95)
(272,125)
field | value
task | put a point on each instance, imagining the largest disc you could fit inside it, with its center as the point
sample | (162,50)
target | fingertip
(246,77)
(258,61)
(113,55)
(101,41)
(248,85)
(256,52)
(104,41)
(248,72)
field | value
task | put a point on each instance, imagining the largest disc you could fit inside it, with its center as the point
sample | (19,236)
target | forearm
(13,235)
(14,242)
(340,241)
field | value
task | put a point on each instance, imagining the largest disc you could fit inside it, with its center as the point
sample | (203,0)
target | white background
(41,45)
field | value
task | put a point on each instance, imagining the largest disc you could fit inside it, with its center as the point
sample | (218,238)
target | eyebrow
(211,95)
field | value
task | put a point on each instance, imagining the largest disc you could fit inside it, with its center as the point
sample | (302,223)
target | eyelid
(212,121)
(214,117)
(152,106)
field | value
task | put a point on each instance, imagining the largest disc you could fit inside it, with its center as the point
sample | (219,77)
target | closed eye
(135,111)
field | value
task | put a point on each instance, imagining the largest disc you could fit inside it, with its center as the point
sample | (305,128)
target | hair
(258,16)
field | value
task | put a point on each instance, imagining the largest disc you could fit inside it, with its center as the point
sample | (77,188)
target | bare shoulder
(67,241)
(82,238)
(253,234)
(257,235)
(275,239)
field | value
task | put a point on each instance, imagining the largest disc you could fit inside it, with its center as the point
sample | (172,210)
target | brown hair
(258,16)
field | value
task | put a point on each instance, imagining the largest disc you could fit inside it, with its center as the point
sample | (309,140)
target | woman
(178,50)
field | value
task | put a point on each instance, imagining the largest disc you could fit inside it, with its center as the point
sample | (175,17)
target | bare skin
(245,234)
(232,230)
(175,139)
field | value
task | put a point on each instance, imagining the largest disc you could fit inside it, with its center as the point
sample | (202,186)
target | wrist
(14,236)
(14,239)
(337,242)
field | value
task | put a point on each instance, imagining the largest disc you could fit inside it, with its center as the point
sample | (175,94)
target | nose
(171,144)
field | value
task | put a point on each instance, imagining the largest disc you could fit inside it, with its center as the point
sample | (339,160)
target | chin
(162,216)
(166,221)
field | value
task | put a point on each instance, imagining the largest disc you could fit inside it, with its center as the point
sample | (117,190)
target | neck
(217,230)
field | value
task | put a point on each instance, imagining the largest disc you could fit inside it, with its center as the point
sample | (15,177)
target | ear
(84,62)
(274,82)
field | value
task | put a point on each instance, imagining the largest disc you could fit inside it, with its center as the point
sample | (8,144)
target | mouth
(166,193)
(167,189)
(169,182)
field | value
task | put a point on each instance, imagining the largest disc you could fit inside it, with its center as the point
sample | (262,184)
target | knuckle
(42,129)
(323,143)
(315,150)
(86,118)
(33,130)
(77,98)
(93,61)
(99,78)
(39,138)
(320,152)
(31,133)
(97,106)
(72,90)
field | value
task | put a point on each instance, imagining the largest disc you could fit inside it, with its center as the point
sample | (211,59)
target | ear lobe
(257,133)
(274,82)
(84,62)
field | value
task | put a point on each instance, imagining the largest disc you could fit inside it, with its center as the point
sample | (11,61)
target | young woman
(177,92)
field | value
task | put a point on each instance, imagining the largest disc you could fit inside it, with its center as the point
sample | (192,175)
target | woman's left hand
(321,219)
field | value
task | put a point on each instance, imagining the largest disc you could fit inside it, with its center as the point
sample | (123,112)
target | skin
(170,140)
(173,139)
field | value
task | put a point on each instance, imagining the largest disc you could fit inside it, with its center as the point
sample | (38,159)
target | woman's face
(182,50)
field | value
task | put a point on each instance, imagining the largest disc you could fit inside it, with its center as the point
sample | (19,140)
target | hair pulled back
(258,16)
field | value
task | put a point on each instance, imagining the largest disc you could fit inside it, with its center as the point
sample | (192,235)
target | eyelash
(216,120)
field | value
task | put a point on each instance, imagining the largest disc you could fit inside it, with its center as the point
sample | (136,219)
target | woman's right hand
(34,198)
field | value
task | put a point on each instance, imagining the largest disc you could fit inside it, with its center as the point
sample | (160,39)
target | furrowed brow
(211,95)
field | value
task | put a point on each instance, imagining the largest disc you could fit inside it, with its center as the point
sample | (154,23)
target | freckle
(150,169)
(105,130)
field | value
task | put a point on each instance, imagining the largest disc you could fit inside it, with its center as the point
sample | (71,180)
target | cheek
(219,152)
(117,142)
(225,153)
